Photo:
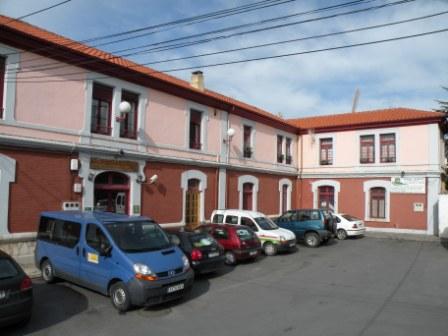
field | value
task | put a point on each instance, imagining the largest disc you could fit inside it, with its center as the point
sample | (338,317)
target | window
(249,223)
(95,238)
(377,203)
(284,198)
(387,148)
(195,129)
(247,196)
(2,83)
(220,233)
(288,151)
(367,143)
(326,151)
(128,127)
(280,149)
(101,109)
(218,219)
(326,197)
(65,233)
(247,148)
(231,219)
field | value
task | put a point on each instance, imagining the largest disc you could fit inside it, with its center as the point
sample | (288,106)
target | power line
(46,67)
(264,58)
(37,12)
(187,21)
(365,28)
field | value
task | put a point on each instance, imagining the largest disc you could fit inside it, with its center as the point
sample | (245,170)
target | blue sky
(407,73)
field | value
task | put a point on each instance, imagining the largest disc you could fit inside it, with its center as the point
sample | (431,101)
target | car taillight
(26,284)
(355,226)
(196,255)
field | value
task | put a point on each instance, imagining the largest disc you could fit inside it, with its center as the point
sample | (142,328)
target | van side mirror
(105,250)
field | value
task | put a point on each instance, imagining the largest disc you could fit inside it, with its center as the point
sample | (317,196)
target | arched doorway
(248,191)
(112,192)
(192,204)
(326,197)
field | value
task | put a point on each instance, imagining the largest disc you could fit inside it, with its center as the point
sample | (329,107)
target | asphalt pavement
(364,287)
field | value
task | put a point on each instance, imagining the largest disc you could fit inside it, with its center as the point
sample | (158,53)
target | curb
(403,236)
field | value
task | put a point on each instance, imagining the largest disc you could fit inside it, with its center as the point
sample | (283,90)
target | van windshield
(138,236)
(265,223)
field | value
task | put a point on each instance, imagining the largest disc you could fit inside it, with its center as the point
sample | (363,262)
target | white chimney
(197,80)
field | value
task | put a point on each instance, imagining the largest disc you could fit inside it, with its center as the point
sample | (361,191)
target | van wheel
(341,234)
(47,271)
(120,296)
(269,249)
(230,258)
(312,239)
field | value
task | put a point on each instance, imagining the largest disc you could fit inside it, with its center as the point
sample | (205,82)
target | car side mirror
(174,239)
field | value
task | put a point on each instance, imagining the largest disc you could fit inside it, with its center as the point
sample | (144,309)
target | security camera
(153,179)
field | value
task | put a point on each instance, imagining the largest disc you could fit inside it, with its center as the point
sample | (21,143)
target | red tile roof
(367,118)
(58,40)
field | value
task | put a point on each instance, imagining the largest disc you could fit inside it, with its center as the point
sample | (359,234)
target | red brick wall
(43,182)
(163,200)
(352,201)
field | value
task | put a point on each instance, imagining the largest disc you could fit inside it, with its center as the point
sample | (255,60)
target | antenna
(355,100)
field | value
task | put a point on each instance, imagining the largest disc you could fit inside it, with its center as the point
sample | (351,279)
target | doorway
(192,203)
(112,192)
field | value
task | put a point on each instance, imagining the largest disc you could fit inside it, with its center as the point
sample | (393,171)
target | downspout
(300,199)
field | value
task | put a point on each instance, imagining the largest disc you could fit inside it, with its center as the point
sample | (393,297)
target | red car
(238,241)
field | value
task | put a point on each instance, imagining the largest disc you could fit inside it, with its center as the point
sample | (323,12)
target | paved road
(359,287)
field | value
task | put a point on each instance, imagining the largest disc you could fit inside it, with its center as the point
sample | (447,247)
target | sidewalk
(402,236)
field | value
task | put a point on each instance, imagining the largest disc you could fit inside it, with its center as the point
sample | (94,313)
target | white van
(273,238)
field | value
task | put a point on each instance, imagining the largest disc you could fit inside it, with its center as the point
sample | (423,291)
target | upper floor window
(387,148)
(2,83)
(128,127)
(247,144)
(326,151)
(367,144)
(280,149)
(195,129)
(288,151)
(101,109)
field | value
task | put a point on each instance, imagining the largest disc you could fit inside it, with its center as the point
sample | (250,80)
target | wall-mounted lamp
(230,134)
(153,179)
(91,176)
(141,178)
(124,108)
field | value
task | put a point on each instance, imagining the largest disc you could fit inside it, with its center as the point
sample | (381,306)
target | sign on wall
(102,164)
(408,185)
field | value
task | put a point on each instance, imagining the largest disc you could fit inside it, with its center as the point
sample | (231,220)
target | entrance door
(284,198)
(112,192)
(192,204)
(326,198)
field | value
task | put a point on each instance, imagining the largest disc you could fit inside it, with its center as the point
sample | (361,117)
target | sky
(405,73)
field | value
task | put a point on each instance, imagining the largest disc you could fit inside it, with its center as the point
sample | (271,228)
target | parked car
(203,251)
(313,226)
(16,292)
(239,242)
(348,226)
(128,258)
(273,239)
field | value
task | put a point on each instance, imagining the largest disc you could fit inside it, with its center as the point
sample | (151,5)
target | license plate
(213,254)
(175,288)
(252,253)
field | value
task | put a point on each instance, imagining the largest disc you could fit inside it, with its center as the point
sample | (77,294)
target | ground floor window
(378,203)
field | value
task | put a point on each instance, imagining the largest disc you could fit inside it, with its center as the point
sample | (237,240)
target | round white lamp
(124,108)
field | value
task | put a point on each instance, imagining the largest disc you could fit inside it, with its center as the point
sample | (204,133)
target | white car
(273,238)
(348,226)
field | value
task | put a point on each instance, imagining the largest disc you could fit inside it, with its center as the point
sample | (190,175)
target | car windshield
(265,223)
(350,218)
(138,236)
(201,240)
(245,234)
(7,269)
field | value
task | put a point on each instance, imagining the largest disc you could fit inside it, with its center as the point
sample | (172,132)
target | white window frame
(376,133)
(333,144)
(376,184)
(251,124)
(248,179)
(321,183)
(12,65)
(285,135)
(185,177)
(204,129)
(7,176)
(281,183)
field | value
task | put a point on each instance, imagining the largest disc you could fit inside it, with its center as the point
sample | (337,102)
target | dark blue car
(129,258)
(313,226)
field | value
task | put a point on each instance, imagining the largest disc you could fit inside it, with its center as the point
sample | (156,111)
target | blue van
(130,259)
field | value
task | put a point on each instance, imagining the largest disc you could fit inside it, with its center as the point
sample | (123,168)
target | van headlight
(282,238)
(142,269)
(186,263)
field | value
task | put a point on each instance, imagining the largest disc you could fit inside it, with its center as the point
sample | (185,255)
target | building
(177,150)
(382,166)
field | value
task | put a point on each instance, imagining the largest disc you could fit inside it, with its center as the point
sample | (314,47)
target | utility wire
(262,58)
(185,21)
(112,57)
(37,12)
(365,28)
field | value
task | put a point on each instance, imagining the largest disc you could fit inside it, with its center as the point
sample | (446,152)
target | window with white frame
(367,149)
(195,129)
(101,109)
(288,158)
(377,200)
(280,155)
(2,83)
(326,151)
(387,148)
(247,141)
(378,203)
(128,126)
